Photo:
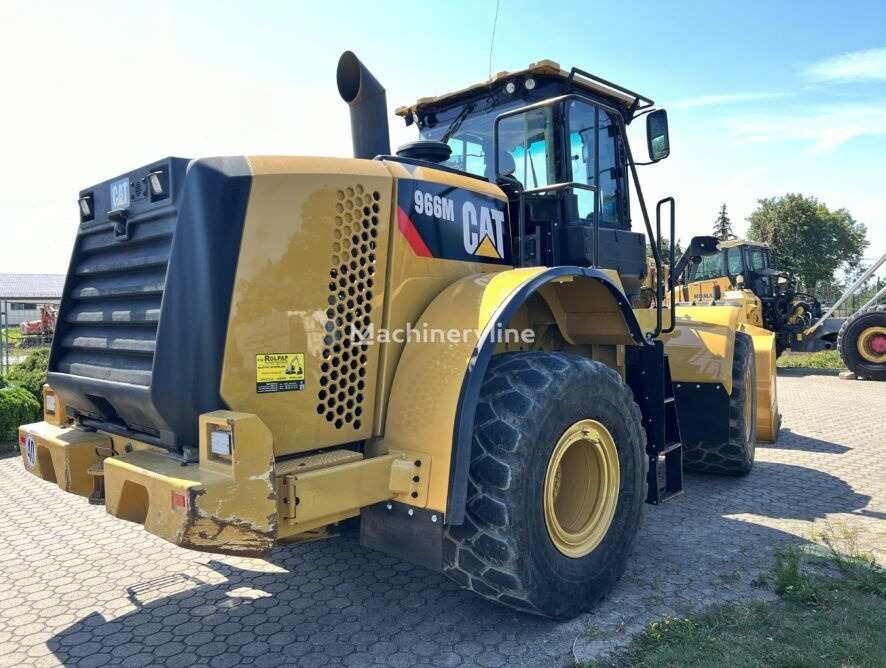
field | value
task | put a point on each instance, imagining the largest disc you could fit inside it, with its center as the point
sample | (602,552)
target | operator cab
(745,263)
(555,142)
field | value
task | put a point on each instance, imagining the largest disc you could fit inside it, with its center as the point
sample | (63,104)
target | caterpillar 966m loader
(256,348)
(743,273)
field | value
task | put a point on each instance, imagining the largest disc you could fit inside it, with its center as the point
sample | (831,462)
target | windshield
(471,143)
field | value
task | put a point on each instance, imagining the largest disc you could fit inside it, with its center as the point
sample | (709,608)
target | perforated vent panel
(351,284)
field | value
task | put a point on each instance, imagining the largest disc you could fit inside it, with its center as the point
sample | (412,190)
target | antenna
(492,43)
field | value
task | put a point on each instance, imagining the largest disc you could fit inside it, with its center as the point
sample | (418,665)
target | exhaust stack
(369,114)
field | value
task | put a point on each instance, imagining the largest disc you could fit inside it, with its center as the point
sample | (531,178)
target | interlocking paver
(66,567)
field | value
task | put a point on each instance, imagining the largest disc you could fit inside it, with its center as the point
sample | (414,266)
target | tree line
(808,240)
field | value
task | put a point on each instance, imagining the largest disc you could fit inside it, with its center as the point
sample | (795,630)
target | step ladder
(649,376)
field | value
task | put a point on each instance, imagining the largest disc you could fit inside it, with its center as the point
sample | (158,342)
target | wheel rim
(581,488)
(748,402)
(872,344)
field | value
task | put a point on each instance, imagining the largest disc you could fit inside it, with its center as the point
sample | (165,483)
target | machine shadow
(337,601)
(788,440)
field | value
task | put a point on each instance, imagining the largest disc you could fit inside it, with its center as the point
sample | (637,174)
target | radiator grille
(352,279)
(112,306)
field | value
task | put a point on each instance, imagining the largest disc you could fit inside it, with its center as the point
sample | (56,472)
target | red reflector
(22,439)
(179,500)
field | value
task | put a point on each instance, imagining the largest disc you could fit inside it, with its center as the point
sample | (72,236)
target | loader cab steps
(649,376)
(669,461)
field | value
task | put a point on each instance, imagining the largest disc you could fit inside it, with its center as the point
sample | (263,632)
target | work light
(155,179)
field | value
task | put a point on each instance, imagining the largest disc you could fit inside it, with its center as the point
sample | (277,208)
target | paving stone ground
(78,587)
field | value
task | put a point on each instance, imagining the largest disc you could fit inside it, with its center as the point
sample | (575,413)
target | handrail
(646,102)
(659,283)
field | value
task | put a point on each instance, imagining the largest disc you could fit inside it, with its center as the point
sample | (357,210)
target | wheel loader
(744,273)
(258,349)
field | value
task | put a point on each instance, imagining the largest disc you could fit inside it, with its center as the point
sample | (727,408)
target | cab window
(468,131)
(756,258)
(610,201)
(594,160)
(711,266)
(733,259)
(467,156)
(525,147)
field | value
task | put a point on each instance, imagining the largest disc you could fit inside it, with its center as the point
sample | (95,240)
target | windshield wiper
(456,124)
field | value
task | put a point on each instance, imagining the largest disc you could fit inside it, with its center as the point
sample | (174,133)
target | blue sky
(763,97)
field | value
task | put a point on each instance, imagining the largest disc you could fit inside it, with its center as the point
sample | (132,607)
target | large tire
(735,456)
(504,550)
(861,340)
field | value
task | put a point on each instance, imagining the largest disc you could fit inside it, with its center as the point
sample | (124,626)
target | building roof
(31,286)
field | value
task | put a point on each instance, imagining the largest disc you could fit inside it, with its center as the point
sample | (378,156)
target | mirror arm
(653,242)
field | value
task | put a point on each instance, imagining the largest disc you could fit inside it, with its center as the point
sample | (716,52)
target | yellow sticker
(279,372)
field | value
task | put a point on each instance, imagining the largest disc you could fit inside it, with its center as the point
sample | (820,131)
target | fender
(768,416)
(436,387)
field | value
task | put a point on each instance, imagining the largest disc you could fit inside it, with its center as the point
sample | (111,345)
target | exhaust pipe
(369,114)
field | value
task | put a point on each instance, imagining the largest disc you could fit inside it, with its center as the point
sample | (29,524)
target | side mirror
(657,139)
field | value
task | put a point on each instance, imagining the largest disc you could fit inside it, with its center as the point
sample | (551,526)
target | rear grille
(352,280)
(112,306)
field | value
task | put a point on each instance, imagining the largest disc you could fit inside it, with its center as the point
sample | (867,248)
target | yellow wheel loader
(447,343)
(743,273)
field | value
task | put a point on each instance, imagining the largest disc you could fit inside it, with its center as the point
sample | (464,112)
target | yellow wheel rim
(872,344)
(581,488)
(748,402)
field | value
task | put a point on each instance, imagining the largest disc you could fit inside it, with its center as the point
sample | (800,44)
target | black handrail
(659,287)
(646,102)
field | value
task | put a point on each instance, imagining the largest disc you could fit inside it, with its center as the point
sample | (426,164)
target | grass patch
(826,359)
(831,612)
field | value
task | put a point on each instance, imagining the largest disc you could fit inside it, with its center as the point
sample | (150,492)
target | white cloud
(868,65)
(724,98)
(824,128)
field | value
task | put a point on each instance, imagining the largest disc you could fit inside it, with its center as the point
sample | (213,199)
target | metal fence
(15,346)
(829,292)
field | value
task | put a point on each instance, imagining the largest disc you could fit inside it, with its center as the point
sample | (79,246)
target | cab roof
(580,79)
(731,243)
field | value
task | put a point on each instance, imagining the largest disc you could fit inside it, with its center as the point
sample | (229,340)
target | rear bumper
(186,504)
(223,504)
(62,455)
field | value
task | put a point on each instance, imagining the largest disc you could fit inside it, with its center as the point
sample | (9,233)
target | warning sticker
(279,372)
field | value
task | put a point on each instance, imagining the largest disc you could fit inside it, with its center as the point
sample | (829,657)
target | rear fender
(701,346)
(437,385)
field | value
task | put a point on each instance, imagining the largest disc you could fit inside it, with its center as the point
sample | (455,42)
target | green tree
(723,226)
(664,249)
(808,239)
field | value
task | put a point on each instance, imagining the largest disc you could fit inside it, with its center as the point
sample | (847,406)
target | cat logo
(483,232)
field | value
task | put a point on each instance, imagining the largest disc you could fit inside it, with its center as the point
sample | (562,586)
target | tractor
(744,273)
(446,345)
